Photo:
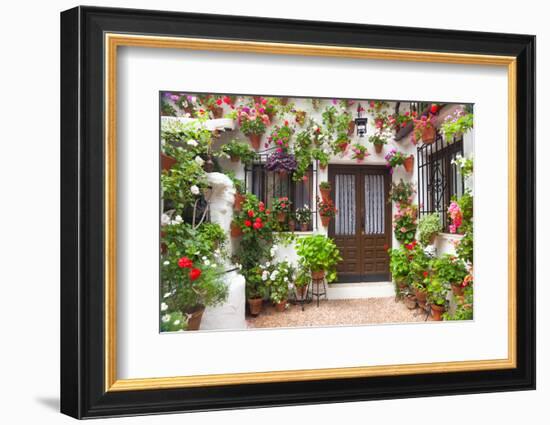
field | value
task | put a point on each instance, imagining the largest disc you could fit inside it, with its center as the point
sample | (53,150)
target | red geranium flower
(185,262)
(261,207)
(425,274)
(219,102)
(248,223)
(250,213)
(258,220)
(434,109)
(194,274)
(227,100)
(258,225)
(267,212)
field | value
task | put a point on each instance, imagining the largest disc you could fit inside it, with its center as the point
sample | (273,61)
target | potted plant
(419,271)
(318,254)
(402,192)
(327,210)
(359,152)
(325,188)
(212,103)
(408,163)
(394,158)
(281,162)
(428,227)
(457,124)
(196,285)
(424,129)
(291,221)
(303,216)
(321,155)
(300,117)
(281,207)
(238,150)
(280,136)
(452,271)
(400,268)
(278,283)
(437,297)
(341,143)
(404,223)
(256,290)
(378,140)
(301,284)
(167,161)
(252,124)
(236,230)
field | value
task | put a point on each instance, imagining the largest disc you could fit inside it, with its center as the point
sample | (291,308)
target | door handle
(362,221)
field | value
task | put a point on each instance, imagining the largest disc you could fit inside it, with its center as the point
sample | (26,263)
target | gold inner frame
(113,41)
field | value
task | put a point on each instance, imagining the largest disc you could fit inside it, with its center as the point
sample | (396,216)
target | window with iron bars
(439,180)
(267,185)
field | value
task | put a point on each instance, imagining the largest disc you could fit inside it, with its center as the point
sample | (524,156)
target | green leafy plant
(378,138)
(449,269)
(404,223)
(465,247)
(428,226)
(172,321)
(437,291)
(456,124)
(255,285)
(465,165)
(359,152)
(395,158)
(281,205)
(400,264)
(251,121)
(304,215)
(318,253)
(464,307)
(239,150)
(281,135)
(420,266)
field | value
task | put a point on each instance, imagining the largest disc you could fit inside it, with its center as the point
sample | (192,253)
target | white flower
(166,318)
(286,279)
(206,262)
(199,160)
(164,219)
(265,275)
(177,322)
(195,190)
(167,295)
(268,264)
(177,220)
(192,142)
(166,263)
(163,307)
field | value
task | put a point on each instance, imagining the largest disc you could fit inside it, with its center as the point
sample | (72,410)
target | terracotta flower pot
(301,117)
(281,217)
(322,167)
(195,317)
(239,200)
(325,194)
(325,220)
(304,227)
(284,100)
(409,164)
(236,230)
(255,305)
(437,311)
(280,307)
(420,297)
(458,290)
(291,225)
(217,112)
(428,135)
(301,291)
(378,148)
(318,275)
(167,161)
(351,128)
(410,302)
(255,140)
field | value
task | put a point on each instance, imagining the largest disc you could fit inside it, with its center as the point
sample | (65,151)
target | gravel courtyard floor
(338,312)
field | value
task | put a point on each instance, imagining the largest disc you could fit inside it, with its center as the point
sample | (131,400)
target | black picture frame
(83,392)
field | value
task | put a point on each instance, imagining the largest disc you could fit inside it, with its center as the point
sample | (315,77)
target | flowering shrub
(255,284)
(281,162)
(281,205)
(252,121)
(404,223)
(398,121)
(359,152)
(380,137)
(449,269)
(326,208)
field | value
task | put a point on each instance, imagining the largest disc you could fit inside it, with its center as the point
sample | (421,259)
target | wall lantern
(361,123)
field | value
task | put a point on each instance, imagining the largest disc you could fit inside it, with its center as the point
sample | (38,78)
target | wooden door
(362,226)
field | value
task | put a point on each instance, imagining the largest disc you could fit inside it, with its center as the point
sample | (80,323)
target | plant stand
(316,290)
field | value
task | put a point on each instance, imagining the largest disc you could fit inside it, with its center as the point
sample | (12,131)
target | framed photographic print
(261,212)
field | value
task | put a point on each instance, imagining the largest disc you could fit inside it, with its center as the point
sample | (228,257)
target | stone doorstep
(359,290)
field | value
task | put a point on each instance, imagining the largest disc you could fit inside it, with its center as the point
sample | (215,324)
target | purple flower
(246,109)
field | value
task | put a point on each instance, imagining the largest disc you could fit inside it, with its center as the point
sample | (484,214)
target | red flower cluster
(186,263)
(411,246)
(425,274)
